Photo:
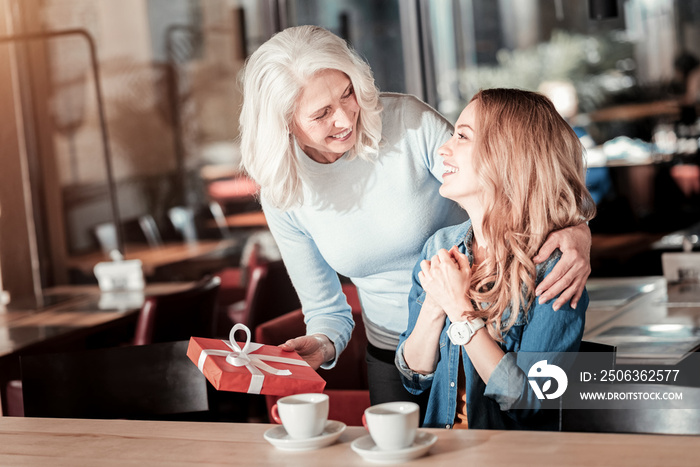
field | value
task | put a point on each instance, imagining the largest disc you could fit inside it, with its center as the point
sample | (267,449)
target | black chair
(585,361)
(151,382)
(678,417)
(141,230)
(183,221)
(589,346)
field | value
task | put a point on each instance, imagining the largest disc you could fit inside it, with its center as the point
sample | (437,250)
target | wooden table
(629,112)
(40,442)
(69,324)
(243,219)
(84,308)
(155,257)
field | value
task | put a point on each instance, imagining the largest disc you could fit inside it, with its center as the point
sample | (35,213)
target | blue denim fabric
(492,406)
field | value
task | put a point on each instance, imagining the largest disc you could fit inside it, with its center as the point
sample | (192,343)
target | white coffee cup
(392,425)
(303,415)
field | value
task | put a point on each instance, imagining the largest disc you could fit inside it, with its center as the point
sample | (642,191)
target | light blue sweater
(367,221)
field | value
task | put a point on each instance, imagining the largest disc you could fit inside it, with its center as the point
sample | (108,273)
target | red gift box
(252,368)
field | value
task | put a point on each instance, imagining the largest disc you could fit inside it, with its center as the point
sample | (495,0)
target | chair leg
(15,402)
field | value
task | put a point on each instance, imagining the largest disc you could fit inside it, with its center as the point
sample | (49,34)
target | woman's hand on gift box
(315,349)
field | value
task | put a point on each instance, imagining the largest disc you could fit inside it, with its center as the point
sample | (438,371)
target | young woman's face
(459,180)
(326,115)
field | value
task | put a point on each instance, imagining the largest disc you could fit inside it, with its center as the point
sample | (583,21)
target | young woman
(517,167)
(349,184)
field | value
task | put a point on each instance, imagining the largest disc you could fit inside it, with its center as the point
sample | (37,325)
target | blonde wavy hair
(272,80)
(530,165)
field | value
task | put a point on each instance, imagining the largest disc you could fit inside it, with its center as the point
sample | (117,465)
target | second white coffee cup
(392,425)
(303,415)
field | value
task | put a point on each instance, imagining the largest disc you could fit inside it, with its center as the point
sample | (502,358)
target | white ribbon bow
(238,356)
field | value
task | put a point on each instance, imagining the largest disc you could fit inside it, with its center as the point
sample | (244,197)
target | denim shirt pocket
(421,298)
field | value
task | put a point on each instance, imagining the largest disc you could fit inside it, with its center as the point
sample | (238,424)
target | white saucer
(369,451)
(279,438)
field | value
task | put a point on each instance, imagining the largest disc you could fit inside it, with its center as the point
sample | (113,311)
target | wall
(17,238)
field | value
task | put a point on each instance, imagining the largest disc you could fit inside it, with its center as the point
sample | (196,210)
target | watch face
(460,333)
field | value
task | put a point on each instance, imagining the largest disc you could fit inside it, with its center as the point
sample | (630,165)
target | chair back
(183,221)
(142,229)
(217,213)
(137,382)
(179,315)
(269,294)
(234,280)
(350,371)
(150,231)
(346,383)
(106,235)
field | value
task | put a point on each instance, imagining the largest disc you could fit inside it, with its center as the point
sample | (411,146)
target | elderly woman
(349,184)
(472,306)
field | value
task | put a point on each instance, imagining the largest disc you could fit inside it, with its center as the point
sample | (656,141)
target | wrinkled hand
(446,278)
(569,276)
(315,349)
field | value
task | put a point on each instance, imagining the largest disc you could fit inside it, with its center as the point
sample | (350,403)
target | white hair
(272,81)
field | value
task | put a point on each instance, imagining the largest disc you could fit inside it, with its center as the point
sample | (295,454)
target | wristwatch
(461,332)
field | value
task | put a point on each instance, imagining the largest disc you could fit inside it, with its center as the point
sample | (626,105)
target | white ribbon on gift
(238,356)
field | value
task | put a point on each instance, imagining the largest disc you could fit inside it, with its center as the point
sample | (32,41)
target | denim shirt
(491,406)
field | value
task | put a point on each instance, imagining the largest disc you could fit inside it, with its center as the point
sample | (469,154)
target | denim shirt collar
(466,244)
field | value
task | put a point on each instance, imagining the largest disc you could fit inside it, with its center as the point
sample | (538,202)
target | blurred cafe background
(119,126)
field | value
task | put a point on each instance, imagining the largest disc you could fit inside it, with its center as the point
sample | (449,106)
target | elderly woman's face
(326,115)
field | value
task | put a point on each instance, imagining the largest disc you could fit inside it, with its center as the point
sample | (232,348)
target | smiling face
(460,182)
(326,116)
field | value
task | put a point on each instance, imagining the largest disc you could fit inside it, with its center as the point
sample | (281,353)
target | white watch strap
(475,324)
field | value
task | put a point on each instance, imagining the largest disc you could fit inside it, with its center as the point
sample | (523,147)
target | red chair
(240,189)
(346,383)
(180,315)
(234,284)
(15,400)
(352,297)
(269,294)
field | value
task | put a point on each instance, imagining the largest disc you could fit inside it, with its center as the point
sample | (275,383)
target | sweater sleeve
(324,305)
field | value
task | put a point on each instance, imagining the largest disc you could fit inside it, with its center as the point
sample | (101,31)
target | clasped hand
(446,278)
